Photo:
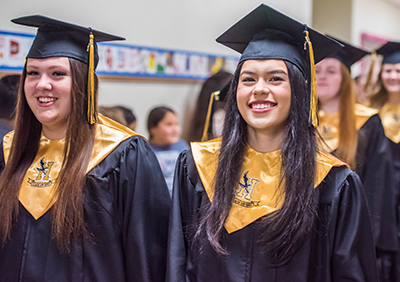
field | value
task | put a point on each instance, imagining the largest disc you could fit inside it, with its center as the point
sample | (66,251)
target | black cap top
(390,52)
(56,38)
(349,54)
(268,34)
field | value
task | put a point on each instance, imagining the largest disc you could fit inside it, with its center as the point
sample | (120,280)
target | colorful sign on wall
(127,60)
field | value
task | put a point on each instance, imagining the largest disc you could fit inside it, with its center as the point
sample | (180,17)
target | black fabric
(126,209)
(4,129)
(390,52)
(265,33)
(375,168)
(340,248)
(57,38)
(393,264)
(349,54)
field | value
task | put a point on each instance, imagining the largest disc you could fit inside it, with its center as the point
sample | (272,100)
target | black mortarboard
(268,34)
(349,54)
(56,38)
(390,52)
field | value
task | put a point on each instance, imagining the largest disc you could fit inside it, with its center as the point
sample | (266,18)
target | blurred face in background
(167,131)
(329,79)
(391,77)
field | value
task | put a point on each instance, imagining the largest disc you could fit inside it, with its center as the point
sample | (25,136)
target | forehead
(329,62)
(48,62)
(391,66)
(264,65)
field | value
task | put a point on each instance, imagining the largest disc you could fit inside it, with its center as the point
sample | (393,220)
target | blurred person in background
(354,134)
(165,132)
(9,85)
(214,83)
(129,117)
(385,97)
(114,113)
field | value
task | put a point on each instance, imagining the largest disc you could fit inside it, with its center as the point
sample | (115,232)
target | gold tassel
(370,72)
(207,124)
(313,95)
(90,111)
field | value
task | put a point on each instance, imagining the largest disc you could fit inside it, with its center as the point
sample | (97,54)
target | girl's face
(263,95)
(391,77)
(167,131)
(48,91)
(329,79)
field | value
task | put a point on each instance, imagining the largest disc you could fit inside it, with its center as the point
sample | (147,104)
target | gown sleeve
(375,168)
(350,235)
(143,204)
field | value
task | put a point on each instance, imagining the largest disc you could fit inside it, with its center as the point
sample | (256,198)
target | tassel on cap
(313,117)
(370,72)
(208,117)
(90,112)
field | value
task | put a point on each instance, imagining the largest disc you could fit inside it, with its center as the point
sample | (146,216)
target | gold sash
(390,116)
(329,125)
(37,193)
(258,192)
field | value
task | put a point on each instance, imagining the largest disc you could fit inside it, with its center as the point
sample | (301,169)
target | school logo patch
(244,194)
(43,175)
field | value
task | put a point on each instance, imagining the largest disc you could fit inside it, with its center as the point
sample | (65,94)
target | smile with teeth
(46,99)
(261,106)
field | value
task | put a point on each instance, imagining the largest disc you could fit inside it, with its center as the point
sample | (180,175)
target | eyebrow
(279,71)
(51,67)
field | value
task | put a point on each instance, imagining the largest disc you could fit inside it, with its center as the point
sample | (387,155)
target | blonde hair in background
(348,135)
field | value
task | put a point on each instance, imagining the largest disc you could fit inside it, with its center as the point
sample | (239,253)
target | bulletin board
(127,61)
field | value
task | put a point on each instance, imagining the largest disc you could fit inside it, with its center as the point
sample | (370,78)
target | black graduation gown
(126,208)
(375,168)
(341,247)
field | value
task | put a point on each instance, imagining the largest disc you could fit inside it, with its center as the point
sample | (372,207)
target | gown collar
(260,190)
(37,193)
(390,116)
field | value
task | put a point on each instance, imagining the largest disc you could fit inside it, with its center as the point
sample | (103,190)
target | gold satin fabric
(329,125)
(390,116)
(36,193)
(260,191)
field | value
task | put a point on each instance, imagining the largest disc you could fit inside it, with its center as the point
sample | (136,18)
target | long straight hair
(285,230)
(67,212)
(380,95)
(348,137)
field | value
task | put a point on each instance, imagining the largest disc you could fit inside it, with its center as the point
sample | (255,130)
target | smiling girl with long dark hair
(262,203)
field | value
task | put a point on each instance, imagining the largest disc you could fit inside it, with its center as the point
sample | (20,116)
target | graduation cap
(266,33)
(57,38)
(390,52)
(349,54)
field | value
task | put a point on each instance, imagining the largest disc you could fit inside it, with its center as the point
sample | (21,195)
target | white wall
(377,17)
(178,24)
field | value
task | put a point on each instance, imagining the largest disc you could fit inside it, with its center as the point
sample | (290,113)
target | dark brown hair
(67,211)
(285,230)
(155,116)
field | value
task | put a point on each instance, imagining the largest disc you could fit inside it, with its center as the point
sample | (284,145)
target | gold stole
(390,116)
(329,125)
(38,187)
(259,191)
